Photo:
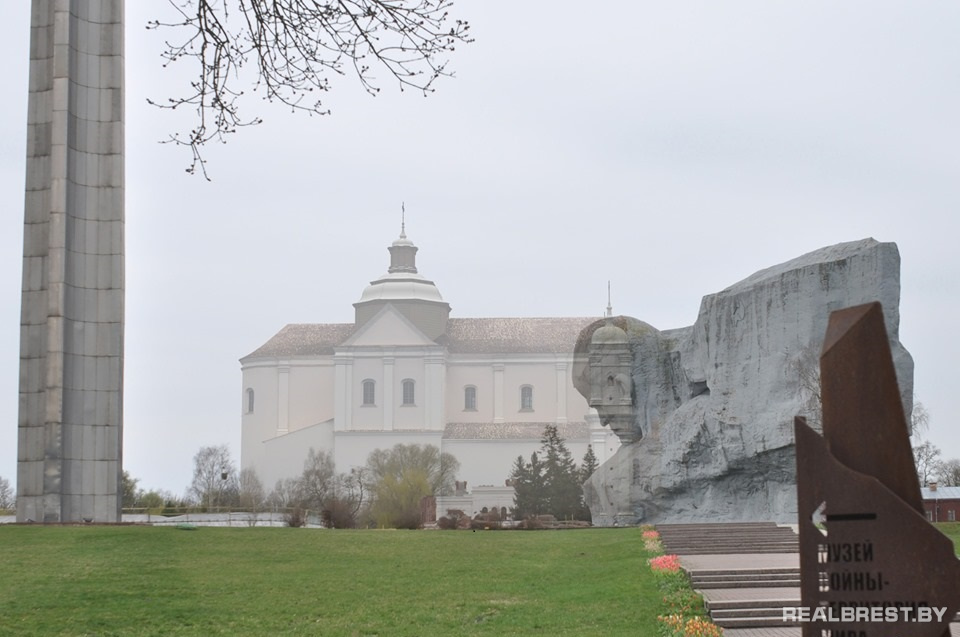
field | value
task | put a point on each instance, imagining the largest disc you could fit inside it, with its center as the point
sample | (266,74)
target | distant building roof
(463,336)
(513,431)
(529,335)
(304,339)
(942,493)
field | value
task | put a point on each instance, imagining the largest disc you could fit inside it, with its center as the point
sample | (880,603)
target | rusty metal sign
(871,565)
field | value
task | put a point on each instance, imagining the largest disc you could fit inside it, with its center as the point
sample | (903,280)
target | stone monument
(870,563)
(71,343)
(707,429)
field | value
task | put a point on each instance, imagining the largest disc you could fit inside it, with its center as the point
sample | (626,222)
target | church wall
(409,416)
(261,423)
(311,389)
(368,416)
(287,453)
(542,377)
(488,462)
(460,374)
(576,405)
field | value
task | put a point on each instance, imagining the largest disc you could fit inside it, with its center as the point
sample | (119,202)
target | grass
(159,581)
(952,531)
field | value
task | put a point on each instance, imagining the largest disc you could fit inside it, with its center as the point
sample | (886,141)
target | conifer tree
(587,469)
(589,464)
(561,477)
(528,483)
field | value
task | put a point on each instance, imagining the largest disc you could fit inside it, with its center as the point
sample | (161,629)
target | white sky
(673,148)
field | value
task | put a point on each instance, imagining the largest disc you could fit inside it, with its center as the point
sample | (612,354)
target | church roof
(513,430)
(304,339)
(463,336)
(527,335)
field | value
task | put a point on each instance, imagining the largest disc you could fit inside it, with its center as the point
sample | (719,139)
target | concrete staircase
(746,572)
(745,578)
(747,537)
(750,613)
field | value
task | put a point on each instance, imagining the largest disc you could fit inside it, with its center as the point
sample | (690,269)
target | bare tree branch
(292,46)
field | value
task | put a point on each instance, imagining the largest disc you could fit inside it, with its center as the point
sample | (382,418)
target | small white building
(482,389)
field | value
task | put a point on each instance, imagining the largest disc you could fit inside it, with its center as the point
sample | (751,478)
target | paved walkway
(734,600)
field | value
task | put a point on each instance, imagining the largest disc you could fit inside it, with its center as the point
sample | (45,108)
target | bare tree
(926,459)
(806,367)
(919,418)
(215,480)
(948,473)
(439,468)
(291,47)
(285,494)
(7,498)
(317,480)
(400,477)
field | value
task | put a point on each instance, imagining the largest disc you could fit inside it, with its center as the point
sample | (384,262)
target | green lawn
(259,581)
(952,531)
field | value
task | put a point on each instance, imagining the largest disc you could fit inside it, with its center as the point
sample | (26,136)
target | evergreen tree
(561,477)
(528,483)
(587,469)
(589,464)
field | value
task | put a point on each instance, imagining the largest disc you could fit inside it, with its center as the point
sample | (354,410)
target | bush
(295,517)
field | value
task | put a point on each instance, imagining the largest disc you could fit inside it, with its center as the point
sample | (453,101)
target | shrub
(295,517)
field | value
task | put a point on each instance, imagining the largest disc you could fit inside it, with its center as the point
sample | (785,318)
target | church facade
(404,371)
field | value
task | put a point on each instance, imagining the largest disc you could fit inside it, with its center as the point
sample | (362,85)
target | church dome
(609,334)
(408,291)
(395,286)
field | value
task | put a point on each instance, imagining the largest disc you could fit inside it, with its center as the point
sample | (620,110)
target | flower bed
(685,616)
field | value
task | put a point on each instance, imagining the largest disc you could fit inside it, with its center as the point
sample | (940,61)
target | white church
(404,371)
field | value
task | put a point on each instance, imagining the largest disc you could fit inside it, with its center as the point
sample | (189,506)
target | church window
(409,389)
(526,398)
(369,392)
(249,400)
(469,398)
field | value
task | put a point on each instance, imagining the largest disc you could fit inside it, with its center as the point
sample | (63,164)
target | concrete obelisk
(71,334)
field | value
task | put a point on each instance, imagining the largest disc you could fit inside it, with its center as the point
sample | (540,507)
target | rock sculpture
(708,433)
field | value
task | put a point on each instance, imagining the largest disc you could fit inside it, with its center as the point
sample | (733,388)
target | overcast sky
(673,148)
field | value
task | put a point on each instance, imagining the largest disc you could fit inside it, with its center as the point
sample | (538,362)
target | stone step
(728,550)
(727,541)
(746,573)
(778,570)
(784,583)
(715,526)
(746,613)
(774,577)
(770,621)
(737,604)
(713,551)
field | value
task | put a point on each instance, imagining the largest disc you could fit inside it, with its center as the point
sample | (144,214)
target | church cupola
(403,254)
(414,296)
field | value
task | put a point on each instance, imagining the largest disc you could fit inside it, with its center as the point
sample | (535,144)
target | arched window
(526,398)
(409,391)
(249,400)
(469,398)
(369,392)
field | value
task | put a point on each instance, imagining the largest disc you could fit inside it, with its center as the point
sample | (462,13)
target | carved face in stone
(603,361)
